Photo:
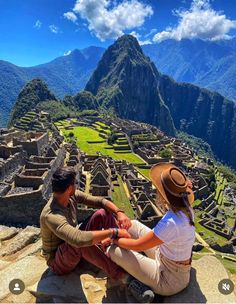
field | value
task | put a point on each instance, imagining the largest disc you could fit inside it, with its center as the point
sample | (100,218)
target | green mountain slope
(31,95)
(65,75)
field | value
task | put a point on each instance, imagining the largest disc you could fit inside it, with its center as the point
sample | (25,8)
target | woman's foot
(141,292)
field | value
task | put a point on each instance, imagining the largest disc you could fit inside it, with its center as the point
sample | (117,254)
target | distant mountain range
(208,64)
(65,75)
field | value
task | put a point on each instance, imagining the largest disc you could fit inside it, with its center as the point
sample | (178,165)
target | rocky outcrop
(20,241)
(87,284)
(7,233)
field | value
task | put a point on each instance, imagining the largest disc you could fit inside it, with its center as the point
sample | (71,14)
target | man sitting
(64,243)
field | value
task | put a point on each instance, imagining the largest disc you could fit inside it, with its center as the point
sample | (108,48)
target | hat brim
(155,176)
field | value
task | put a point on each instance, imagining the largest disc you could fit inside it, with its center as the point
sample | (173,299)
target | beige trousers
(164,276)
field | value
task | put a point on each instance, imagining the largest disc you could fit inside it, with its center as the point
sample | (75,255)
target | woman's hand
(105,243)
(123,233)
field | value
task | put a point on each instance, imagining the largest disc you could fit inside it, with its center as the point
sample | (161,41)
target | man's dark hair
(63,178)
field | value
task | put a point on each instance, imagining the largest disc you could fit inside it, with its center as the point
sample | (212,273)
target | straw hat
(172,184)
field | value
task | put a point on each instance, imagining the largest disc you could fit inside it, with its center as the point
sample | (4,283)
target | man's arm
(58,224)
(101,202)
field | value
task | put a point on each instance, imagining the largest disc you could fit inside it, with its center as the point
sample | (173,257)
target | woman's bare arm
(146,242)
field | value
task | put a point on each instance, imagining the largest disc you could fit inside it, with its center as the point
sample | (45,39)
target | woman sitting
(166,265)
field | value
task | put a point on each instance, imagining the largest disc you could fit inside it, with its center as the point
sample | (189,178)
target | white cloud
(71,16)
(139,38)
(108,19)
(67,53)
(152,31)
(54,29)
(38,24)
(200,21)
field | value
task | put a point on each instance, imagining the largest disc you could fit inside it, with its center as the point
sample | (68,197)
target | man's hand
(122,233)
(123,221)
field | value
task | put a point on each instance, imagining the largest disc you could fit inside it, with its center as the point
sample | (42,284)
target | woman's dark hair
(62,179)
(186,209)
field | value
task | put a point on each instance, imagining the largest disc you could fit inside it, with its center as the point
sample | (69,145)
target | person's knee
(99,216)
(100,213)
(114,253)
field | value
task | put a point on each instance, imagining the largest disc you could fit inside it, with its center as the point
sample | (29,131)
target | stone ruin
(28,160)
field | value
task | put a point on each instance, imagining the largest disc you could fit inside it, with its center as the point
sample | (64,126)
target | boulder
(29,270)
(7,233)
(206,273)
(21,240)
(31,249)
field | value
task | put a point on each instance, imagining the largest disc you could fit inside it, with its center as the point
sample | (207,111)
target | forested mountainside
(65,75)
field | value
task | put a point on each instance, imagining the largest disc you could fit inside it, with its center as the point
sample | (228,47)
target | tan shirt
(60,223)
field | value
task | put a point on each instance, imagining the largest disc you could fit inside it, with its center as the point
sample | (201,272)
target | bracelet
(111,230)
(115,233)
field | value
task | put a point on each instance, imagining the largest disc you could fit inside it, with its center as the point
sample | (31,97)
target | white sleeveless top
(177,234)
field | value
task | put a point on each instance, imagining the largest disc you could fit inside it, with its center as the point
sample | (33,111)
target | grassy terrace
(208,234)
(89,141)
(221,183)
(145,172)
(120,198)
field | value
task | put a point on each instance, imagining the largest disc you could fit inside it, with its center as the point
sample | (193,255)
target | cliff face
(128,81)
(204,114)
(33,92)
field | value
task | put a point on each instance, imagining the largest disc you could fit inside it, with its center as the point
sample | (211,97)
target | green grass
(145,172)
(229,265)
(121,200)
(221,183)
(196,203)
(208,234)
(85,134)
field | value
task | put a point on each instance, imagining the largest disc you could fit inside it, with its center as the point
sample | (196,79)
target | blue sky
(37,31)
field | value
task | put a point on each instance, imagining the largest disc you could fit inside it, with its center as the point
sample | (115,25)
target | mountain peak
(34,92)
(126,80)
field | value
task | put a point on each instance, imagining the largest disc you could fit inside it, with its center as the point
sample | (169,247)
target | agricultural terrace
(93,139)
